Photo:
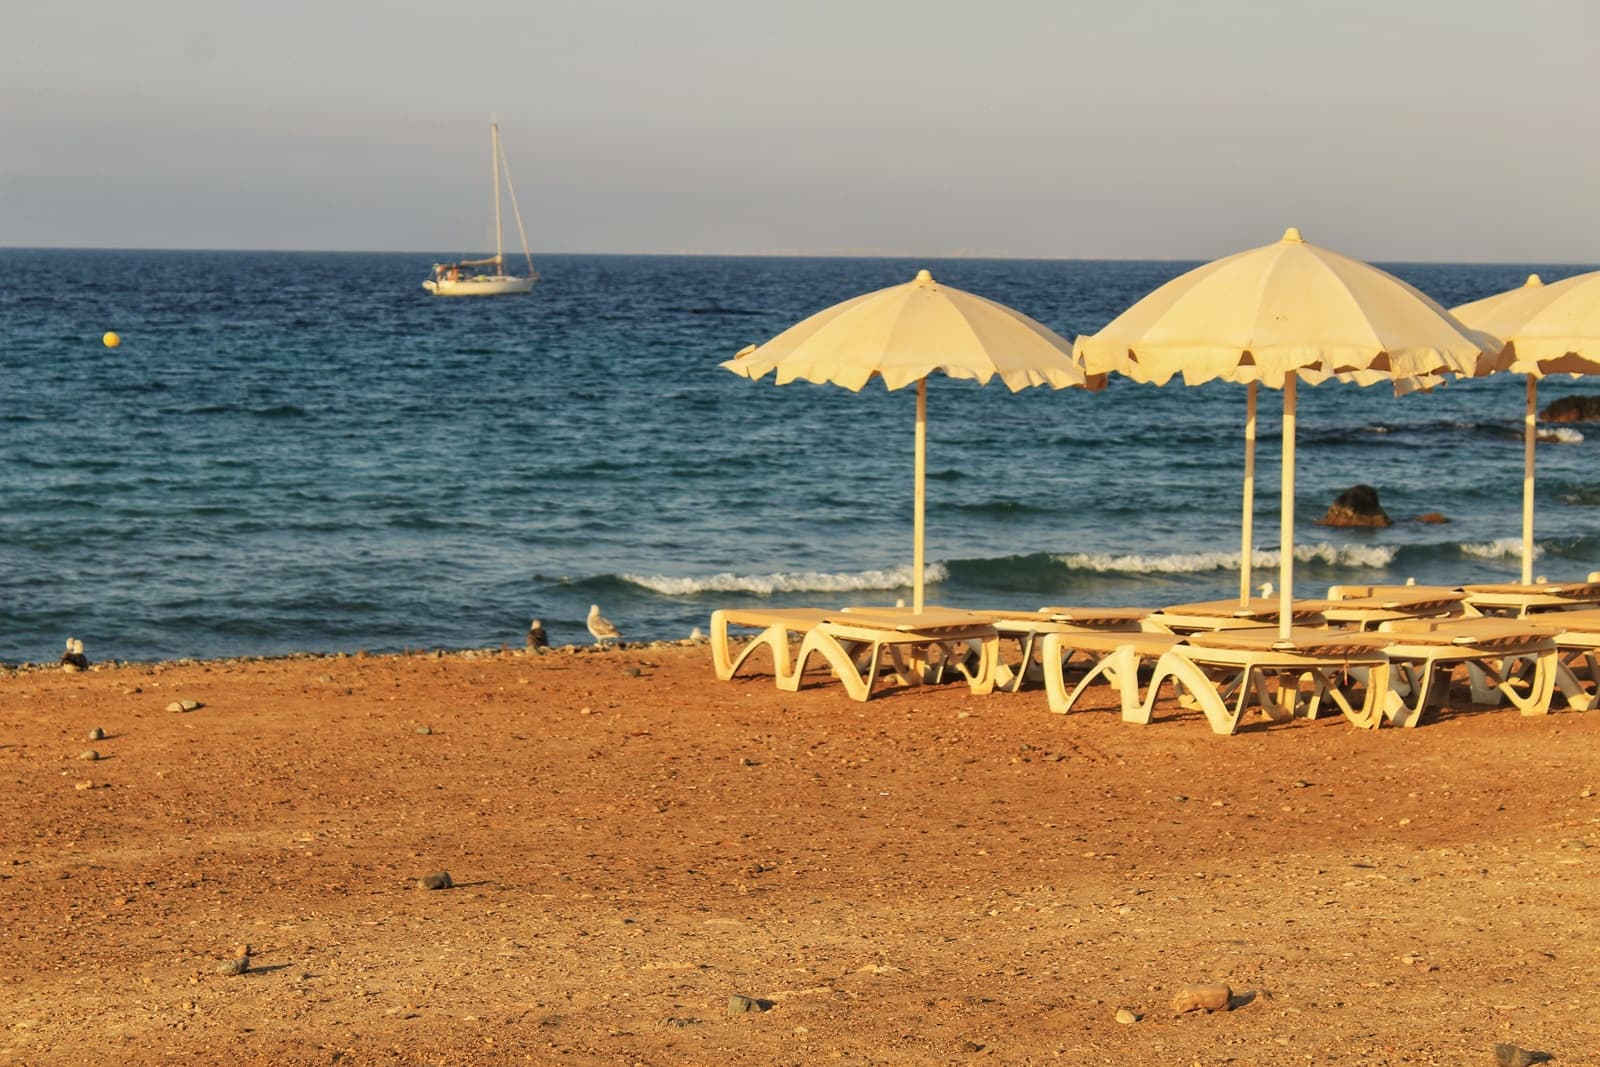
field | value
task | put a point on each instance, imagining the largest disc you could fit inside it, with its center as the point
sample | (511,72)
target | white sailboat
(488,277)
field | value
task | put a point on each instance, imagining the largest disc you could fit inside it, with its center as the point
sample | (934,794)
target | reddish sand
(930,877)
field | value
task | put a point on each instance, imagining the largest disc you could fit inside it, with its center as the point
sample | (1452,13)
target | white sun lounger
(1230,671)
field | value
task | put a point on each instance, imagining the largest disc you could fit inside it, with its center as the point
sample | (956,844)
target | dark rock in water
(1356,506)
(1572,409)
(1433,517)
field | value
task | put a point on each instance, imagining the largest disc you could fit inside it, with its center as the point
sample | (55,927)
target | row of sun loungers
(1371,653)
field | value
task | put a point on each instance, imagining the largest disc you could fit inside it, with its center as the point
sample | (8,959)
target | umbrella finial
(1293,234)
(1533,282)
(923,277)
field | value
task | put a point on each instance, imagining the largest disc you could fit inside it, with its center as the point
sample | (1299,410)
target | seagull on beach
(601,627)
(73,657)
(536,635)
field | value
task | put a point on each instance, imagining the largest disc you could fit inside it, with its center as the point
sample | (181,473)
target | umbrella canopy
(1278,314)
(1548,329)
(905,333)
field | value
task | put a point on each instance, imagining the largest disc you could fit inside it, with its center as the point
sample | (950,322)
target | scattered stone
(1572,409)
(1356,506)
(632,672)
(738,1004)
(97,734)
(185,705)
(1574,844)
(1213,996)
(89,754)
(1513,1056)
(424,729)
(435,880)
(238,965)
(1127,1017)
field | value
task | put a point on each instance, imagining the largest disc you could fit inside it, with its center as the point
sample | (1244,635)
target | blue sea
(306,452)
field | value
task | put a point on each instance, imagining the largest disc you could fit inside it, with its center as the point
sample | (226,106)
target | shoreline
(409,653)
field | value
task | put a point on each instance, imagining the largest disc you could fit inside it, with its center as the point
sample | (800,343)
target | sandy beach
(930,877)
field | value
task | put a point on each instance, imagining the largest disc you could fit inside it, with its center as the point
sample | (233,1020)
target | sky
(1389,130)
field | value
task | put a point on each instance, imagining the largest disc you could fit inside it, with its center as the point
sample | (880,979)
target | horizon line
(766,254)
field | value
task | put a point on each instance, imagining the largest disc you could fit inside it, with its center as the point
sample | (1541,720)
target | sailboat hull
(482,285)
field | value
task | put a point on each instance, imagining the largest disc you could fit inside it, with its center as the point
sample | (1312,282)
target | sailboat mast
(499,252)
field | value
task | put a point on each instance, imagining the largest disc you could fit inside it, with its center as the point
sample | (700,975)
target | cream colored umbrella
(1548,329)
(902,335)
(1280,314)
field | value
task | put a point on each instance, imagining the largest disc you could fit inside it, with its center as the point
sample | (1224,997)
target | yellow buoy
(111,339)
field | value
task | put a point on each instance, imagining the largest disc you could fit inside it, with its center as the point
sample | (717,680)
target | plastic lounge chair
(1577,637)
(1114,656)
(1229,614)
(1227,672)
(853,644)
(1398,602)
(1514,598)
(778,626)
(1029,628)
(1508,659)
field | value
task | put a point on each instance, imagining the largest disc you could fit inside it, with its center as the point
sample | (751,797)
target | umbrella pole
(1286,506)
(919,494)
(1530,433)
(1249,494)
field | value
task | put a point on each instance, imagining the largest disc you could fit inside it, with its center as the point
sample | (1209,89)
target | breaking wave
(786,581)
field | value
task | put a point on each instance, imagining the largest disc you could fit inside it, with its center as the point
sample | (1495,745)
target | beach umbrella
(1548,329)
(1281,314)
(905,333)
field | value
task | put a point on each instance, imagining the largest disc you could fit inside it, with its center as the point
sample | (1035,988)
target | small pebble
(235,966)
(435,880)
(1126,1017)
(738,1004)
(89,754)
(185,705)
(424,729)
(97,734)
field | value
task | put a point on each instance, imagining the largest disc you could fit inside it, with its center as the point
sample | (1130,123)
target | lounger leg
(818,641)
(1193,680)
(775,637)
(1572,687)
(1340,685)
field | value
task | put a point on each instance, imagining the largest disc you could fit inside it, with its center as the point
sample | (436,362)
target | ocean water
(306,452)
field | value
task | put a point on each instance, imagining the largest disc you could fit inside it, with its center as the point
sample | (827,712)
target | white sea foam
(1561,435)
(786,581)
(1504,548)
(1376,556)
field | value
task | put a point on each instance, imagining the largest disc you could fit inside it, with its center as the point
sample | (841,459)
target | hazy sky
(1385,129)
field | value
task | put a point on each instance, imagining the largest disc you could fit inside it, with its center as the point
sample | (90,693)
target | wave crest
(1376,556)
(786,581)
(1503,548)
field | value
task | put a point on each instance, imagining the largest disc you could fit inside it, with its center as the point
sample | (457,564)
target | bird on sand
(601,627)
(536,635)
(73,657)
